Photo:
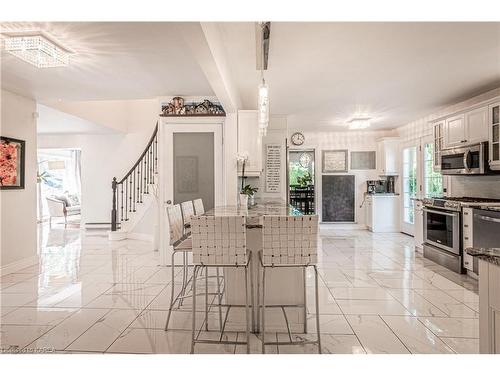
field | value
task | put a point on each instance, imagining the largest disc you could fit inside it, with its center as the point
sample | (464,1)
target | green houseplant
(250,192)
(304,180)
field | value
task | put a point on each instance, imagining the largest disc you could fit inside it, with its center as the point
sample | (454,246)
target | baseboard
(140,237)
(119,236)
(342,226)
(18,265)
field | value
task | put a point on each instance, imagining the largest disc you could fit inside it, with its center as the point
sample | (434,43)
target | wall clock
(298,139)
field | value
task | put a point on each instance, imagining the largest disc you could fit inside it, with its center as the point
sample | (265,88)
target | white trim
(140,237)
(18,265)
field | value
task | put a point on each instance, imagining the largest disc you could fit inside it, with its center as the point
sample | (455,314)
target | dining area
(256,263)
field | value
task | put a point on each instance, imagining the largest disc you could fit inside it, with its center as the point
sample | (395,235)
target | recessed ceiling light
(37,48)
(359,123)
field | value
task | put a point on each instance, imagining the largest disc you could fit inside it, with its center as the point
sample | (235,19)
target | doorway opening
(59,186)
(301,180)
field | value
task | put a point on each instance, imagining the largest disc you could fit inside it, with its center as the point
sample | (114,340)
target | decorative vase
(243,200)
(251,201)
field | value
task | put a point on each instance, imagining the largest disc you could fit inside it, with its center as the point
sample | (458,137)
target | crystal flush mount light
(37,49)
(359,123)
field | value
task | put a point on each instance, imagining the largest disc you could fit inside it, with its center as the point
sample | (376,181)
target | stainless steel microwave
(465,160)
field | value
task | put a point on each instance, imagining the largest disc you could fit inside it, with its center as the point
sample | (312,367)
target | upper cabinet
(476,125)
(249,142)
(387,156)
(454,131)
(493,130)
(466,128)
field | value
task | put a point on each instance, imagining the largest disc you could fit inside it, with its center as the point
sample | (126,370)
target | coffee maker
(376,186)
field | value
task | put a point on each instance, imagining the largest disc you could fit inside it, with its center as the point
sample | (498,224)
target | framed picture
(12,159)
(334,161)
(363,160)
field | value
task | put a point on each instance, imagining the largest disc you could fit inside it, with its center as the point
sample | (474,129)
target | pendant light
(263,92)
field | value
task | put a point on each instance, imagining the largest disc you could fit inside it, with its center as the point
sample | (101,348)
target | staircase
(134,193)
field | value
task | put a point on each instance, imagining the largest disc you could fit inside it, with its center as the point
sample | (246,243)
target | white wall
(352,141)
(18,207)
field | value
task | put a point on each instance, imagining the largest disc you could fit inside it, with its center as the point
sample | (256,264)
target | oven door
(442,229)
(464,160)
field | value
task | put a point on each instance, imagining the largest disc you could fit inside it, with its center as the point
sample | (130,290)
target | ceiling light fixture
(37,49)
(359,123)
(263,98)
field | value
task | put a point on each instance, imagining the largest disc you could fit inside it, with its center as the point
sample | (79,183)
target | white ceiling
(52,121)
(113,60)
(321,74)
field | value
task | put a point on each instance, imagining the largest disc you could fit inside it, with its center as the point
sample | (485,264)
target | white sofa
(61,207)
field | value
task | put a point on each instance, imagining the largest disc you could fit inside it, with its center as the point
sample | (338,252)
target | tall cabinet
(387,156)
(493,135)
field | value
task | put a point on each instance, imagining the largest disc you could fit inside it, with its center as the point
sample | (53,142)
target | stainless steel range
(443,228)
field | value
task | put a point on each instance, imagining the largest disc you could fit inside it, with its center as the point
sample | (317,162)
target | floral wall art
(12,155)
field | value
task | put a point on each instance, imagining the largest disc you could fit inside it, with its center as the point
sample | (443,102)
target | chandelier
(37,50)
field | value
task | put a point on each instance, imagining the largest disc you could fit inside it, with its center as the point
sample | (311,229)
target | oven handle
(487,218)
(441,212)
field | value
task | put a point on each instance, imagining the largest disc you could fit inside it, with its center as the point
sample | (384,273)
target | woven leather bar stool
(221,242)
(291,242)
(199,209)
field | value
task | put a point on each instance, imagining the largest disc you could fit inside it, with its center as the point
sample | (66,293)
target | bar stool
(181,243)
(198,207)
(187,212)
(289,242)
(220,242)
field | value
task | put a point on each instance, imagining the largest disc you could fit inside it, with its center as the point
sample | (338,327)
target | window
(409,183)
(433,181)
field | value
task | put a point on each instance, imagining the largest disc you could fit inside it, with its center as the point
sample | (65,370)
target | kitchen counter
(262,207)
(490,255)
(489,298)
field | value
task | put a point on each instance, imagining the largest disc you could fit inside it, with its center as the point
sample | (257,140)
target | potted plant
(249,191)
(243,158)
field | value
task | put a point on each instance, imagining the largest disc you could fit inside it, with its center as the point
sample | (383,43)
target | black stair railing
(131,188)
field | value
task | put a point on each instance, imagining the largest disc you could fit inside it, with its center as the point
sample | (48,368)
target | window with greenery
(409,183)
(301,167)
(433,181)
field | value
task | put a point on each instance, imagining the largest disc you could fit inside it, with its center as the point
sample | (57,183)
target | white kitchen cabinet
(387,156)
(467,128)
(493,135)
(382,213)
(250,142)
(467,237)
(476,125)
(454,131)
(419,225)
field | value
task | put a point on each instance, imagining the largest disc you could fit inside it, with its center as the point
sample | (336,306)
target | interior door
(193,164)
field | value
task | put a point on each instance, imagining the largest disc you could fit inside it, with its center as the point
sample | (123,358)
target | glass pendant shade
(263,108)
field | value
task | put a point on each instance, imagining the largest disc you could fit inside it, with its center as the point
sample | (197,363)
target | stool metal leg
(206,298)
(193,327)
(317,308)
(247,313)
(263,309)
(258,299)
(172,287)
(252,295)
(305,299)
(220,298)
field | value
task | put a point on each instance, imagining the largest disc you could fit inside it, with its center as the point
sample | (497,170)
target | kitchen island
(284,286)
(489,298)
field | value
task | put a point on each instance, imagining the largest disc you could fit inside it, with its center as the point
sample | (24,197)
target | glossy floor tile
(376,295)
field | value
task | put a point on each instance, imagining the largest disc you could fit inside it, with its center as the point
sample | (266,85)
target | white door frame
(167,128)
(406,227)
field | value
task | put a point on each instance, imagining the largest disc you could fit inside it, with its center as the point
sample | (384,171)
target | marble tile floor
(377,295)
